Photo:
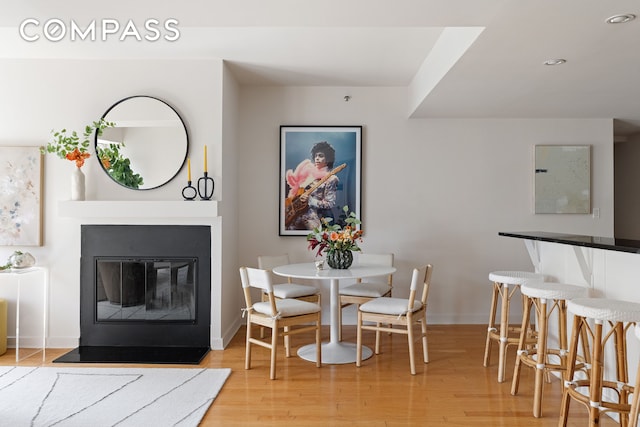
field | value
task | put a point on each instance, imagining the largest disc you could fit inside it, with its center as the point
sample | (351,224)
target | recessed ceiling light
(620,19)
(557,61)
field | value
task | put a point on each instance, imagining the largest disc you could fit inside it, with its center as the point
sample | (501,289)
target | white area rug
(96,397)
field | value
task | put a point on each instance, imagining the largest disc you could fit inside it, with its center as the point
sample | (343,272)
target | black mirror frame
(186,133)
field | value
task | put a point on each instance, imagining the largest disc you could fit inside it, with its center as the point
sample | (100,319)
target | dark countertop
(606,243)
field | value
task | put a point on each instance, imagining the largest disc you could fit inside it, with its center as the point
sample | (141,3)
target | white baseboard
(63,342)
(221,343)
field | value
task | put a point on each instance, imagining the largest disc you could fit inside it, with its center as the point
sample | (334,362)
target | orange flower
(78,157)
(334,236)
(106,163)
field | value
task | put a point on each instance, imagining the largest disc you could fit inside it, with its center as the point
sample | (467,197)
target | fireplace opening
(145,294)
(145,289)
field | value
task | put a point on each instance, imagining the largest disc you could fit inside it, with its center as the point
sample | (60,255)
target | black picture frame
(299,175)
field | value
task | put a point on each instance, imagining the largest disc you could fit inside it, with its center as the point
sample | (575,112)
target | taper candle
(189,168)
(205,158)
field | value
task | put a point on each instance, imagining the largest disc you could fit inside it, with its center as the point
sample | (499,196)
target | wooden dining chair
(284,317)
(286,289)
(365,290)
(402,312)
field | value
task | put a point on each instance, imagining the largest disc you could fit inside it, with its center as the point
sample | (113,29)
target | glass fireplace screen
(146,290)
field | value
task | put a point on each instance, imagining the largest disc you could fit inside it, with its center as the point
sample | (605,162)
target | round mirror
(147,145)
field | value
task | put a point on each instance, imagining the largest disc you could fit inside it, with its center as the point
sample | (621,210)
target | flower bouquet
(71,147)
(337,241)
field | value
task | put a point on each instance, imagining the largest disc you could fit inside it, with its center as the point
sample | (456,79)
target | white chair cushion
(287,307)
(605,309)
(293,290)
(387,305)
(370,290)
(515,277)
(556,291)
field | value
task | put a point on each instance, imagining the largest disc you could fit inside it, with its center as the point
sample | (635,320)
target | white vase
(77,185)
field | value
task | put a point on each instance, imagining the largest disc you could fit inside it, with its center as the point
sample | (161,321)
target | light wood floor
(453,389)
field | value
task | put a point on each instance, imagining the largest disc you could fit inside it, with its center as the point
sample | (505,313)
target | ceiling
(457,58)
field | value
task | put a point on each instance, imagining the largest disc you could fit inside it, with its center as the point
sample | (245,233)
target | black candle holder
(189,192)
(203,187)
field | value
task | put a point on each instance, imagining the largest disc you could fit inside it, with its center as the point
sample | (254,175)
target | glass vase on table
(339,259)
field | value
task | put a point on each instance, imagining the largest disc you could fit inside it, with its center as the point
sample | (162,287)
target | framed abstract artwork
(20,196)
(320,173)
(562,179)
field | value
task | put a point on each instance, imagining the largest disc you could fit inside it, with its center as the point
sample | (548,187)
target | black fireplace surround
(145,294)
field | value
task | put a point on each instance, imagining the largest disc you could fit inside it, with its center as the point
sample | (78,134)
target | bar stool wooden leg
(635,401)
(563,338)
(542,357)
(622,369)
(595,388)
(491,328)
(576,333)
(504,330)
(526,315)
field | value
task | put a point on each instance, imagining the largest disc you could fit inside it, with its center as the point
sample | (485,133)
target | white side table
(31,312)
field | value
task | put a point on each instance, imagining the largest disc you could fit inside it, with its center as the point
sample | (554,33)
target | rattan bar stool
(546,298)
(635,401)
(505,283)
(590,315)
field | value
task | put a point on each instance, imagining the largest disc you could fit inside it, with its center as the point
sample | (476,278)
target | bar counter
(607,243)
(609,267)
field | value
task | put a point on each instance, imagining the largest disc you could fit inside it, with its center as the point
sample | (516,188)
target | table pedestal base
(334,353)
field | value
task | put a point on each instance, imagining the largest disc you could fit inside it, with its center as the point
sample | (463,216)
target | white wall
(40,95)
(435,191)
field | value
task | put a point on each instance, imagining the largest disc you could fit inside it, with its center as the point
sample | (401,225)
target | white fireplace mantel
(138,209)
(181,212)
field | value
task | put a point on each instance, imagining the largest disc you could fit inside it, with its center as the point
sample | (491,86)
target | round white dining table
(334,351)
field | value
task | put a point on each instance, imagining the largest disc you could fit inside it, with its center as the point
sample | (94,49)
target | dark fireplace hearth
(145,294)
